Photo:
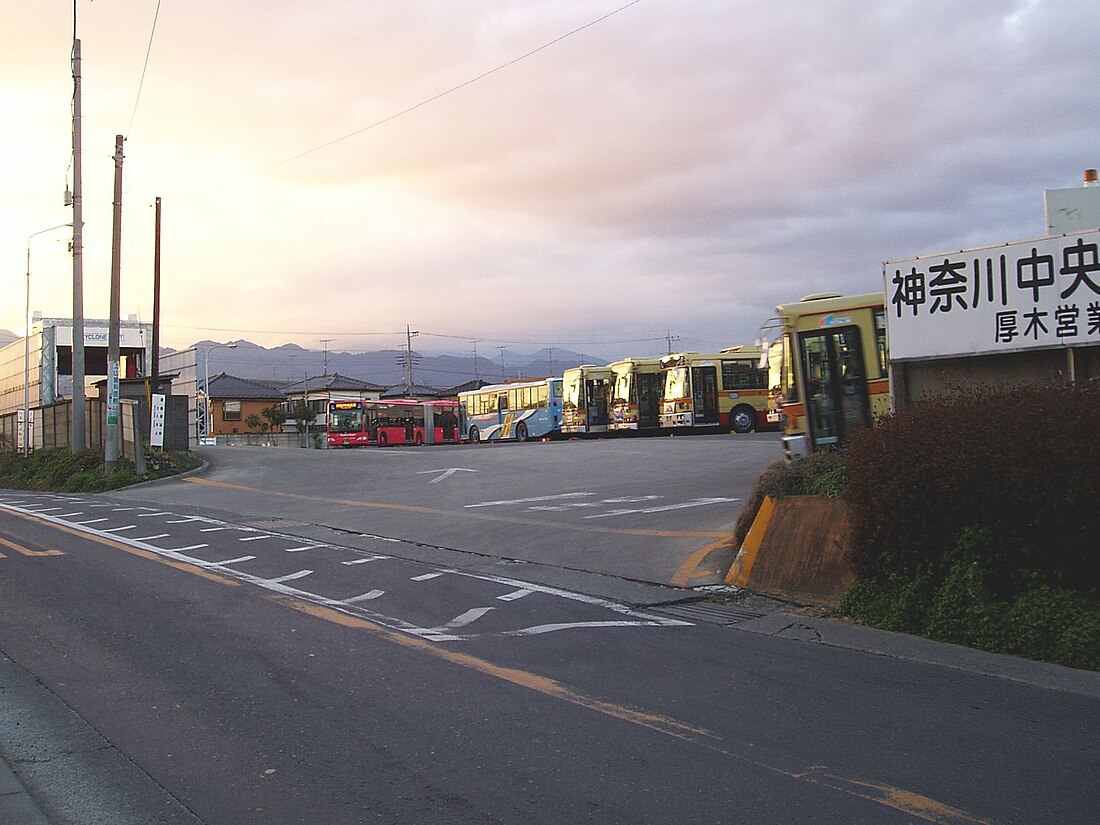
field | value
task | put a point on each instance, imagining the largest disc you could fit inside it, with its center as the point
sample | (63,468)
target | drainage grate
(709,612)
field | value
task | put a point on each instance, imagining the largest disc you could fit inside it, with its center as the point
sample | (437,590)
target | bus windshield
(624,383)
(572,397)
(677,383)
(345,421)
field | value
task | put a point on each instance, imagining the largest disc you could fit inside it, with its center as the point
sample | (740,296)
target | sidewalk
(17,806)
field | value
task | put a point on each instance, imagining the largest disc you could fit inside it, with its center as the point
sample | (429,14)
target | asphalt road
(657,510)
(175,661)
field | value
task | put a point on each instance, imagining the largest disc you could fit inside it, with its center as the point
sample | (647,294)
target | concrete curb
(835,633)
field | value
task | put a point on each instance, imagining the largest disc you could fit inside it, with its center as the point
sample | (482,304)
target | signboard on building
(1035,294)
(156,420)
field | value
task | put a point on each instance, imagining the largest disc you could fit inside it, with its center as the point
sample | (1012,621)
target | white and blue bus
(512,412)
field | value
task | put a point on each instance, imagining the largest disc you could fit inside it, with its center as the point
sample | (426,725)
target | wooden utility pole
(156,301)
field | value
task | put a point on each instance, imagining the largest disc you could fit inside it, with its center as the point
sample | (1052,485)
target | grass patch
(62,470)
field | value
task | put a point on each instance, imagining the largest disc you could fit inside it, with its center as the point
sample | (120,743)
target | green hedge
(61,470)
(1021,464)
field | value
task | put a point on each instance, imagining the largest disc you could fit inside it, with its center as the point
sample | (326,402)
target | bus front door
(704,391)
(836,384)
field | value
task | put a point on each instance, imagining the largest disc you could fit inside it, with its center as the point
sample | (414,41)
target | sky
(597,176)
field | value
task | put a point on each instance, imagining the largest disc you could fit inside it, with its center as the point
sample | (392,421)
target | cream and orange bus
(828,368)
(636,394)
(725,392)
(586,400)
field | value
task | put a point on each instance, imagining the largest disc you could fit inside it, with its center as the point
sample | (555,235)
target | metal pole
(78,441)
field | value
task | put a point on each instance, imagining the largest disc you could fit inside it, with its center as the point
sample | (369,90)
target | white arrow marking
(445,473)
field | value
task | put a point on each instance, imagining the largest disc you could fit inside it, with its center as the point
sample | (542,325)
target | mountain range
(291,362)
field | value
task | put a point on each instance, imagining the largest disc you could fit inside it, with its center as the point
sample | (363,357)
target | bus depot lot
(592,515)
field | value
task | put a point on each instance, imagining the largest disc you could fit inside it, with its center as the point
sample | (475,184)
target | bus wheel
(475,436)
(743,420)
(521,431)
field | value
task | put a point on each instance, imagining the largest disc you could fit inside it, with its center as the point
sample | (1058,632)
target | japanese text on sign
(1027,295)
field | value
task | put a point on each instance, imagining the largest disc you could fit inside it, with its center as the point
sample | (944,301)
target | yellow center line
(26,551)
(916,805)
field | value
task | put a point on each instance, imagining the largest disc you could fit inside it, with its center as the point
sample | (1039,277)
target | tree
(253,421)
(303,415)
(276,415)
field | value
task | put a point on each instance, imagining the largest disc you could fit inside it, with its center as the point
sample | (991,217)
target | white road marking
(235,561)
(255,538)
(212,529)
(190,547)
(150,538)
(444,473)
(515,594)
(373,594)
(120,529)
(551,628)
(366,560)
(461,620)
(529,500)
(305,547)
(183,520)
(92,521)
(122,509)
(69,515)
(301,574)
(698,502)
(147,515)
(426,577)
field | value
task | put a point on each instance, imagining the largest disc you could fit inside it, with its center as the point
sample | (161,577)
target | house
(234,400)
(320,389)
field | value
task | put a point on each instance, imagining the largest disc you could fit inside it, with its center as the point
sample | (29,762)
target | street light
(27,344)
(206,383)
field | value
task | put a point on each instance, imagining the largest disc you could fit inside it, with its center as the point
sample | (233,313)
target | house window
(231,411)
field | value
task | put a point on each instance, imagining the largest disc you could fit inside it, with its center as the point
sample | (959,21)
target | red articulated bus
(397,421)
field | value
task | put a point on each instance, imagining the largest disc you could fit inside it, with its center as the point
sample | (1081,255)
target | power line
(463,85)
(141,84)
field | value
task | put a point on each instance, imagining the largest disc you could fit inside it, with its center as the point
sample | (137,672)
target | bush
(1019,464)
(821,474)
(63,470)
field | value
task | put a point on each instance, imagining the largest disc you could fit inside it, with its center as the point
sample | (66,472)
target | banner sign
(156,420)
(1019,296)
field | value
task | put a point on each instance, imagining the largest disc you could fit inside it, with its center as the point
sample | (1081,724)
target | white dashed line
(426,577)
(301,574)
(364,561)
(366,597)
(255,538)
(515,594)
(120,529)
(309,547)
(234,561)
(92,521)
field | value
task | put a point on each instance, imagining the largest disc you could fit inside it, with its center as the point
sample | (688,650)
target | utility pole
(156,301)
(669,338)
(324,346)
(503,374)
(477,370)
(111,448)
(551,360)
(78,441)
(409,335)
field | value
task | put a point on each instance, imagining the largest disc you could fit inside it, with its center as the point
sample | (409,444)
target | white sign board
(156,421)
(1019,296)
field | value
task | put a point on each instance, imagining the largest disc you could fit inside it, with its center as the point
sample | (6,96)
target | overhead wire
(144,69)
(451,90)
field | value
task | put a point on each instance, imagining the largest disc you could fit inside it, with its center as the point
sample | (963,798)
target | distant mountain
(291,362)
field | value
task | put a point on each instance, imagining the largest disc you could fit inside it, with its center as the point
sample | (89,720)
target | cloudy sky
(523,172)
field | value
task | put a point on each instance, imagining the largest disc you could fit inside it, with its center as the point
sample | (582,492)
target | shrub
(1019,463)
(821,474)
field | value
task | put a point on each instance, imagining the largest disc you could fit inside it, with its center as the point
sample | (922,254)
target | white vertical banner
(156,420)
(112,394)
